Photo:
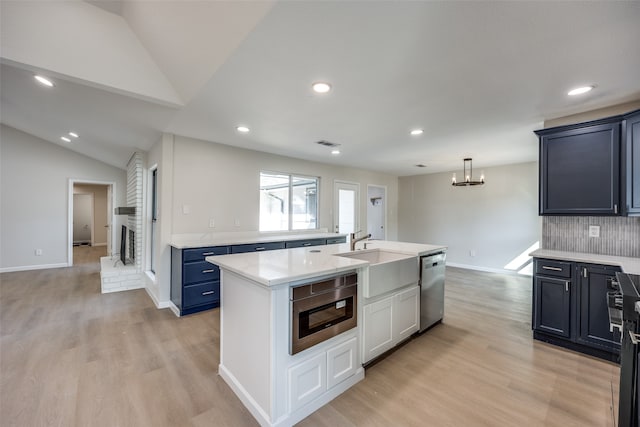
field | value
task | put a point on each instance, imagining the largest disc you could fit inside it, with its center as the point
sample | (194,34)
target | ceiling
(478,77)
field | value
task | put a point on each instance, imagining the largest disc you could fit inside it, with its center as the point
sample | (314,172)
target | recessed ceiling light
(580,90)
(321,87)
(242,129)
(73,134)
(335,152)
(43,80)
(417,132)
(65,139)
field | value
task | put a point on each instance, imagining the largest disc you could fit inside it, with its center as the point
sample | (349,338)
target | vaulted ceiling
(478,77)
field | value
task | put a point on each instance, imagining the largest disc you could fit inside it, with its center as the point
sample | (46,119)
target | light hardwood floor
(70,356)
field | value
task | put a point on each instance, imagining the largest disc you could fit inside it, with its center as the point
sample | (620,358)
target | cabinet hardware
(635,338)
(208,253)
(584,272)
(306,244)
(260,249)
(208,293)
(544,267)
(566,286)
(207,271)
(615,208)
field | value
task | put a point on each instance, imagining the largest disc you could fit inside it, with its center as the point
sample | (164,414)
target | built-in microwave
(322,310)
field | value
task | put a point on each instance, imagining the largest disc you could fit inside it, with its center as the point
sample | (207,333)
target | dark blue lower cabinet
(257,247)
(552,306)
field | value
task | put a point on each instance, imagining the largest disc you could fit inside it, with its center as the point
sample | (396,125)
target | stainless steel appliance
(628,314)
(431,289)
(322,310)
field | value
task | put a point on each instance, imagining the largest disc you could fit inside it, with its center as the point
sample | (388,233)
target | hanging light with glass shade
(468,175)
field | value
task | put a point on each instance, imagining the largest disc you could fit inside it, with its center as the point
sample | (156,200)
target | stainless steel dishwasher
(431,289)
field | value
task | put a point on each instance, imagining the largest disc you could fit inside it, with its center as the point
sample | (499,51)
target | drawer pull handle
(208,293)
(545,267)
(566,286)
(208,253)
(207,271)
(260,248)
(306,244)
(635,338)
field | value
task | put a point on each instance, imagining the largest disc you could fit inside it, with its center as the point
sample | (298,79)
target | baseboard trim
(158,304)
(485,269)
(32,267)
(99,244)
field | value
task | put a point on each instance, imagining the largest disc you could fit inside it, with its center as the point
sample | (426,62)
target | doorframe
(111,214)
(386,210)
(336,202)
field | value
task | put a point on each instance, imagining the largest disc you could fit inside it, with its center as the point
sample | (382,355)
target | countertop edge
(229,240)
(628,264)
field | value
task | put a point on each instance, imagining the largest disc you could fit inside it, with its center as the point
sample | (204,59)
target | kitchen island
(280,386)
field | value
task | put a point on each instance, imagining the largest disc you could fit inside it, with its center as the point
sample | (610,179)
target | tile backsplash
(619,236)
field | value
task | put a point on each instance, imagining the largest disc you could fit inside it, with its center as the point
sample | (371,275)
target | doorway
(90,216)
(346,207)
(377,211)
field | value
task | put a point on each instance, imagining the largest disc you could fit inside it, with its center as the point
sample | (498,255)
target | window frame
(290,187)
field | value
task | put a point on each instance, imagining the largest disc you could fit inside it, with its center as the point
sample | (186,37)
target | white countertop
(281,266)
(187,241)
(628,265)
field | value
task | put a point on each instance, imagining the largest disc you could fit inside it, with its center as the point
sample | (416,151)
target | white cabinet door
(342,362)
(406,315)
(378,328)
(307,380)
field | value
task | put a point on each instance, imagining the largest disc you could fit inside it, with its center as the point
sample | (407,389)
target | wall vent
(327,143)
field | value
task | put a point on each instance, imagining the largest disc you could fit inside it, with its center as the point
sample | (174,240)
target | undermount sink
(387,270)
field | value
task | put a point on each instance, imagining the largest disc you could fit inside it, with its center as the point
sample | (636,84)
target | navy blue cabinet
(580,169)
(570,307)
(593,326)
(631,162)
(305,243)
(336,240)
(257,247)
(552,290)
(195,283)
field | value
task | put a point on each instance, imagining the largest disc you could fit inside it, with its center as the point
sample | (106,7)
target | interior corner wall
(485,227)
(34,199)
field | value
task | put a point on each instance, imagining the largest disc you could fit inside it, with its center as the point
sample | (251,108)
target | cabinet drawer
(201,294)
(304,243)
(553,268)
(335,240)
(200,272)
(199,254)
(256,247)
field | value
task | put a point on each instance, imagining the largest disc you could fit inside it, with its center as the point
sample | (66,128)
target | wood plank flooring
(70,356)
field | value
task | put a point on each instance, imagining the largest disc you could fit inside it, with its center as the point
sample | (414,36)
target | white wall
(498,220)
(34,186)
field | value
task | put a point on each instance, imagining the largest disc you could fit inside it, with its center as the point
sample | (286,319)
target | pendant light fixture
(468,175)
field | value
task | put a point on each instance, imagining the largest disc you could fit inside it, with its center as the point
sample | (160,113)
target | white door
(109,219)
(345,213)
(406,313)
(378,328)
(82,218)
(376,211)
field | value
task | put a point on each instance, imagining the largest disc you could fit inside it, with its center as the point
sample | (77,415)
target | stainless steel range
(624,313)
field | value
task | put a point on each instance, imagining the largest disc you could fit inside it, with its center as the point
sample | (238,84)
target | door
(376,211)
(406,313)
(109,226)
(378,328)
(552,306)
(593,324)
(82,218)
(346,202)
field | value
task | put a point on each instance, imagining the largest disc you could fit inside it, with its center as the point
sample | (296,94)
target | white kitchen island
(277,387)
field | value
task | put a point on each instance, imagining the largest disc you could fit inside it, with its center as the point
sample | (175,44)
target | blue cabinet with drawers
(195,283)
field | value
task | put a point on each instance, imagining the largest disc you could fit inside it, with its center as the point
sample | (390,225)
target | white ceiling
(477,76)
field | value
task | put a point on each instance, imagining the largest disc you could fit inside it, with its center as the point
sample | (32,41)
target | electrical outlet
(212,223)
(186,209)
(237,222)
(38,252)
(594,231)
(472,252)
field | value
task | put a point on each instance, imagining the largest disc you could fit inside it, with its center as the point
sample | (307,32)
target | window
(288,202)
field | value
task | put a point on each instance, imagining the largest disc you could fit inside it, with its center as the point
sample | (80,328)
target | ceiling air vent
(327,143)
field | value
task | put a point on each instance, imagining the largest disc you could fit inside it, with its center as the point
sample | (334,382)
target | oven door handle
(635,338)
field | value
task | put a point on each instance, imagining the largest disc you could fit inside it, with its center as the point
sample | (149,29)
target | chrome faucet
(354,240)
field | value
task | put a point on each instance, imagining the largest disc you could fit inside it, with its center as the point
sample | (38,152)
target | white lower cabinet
(312,377)
(390,321)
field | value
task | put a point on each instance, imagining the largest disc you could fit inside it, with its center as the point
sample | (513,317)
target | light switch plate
(186,209)
(594,231)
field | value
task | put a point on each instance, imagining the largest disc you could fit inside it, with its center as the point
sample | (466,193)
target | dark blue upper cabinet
(631,162)
(580,169)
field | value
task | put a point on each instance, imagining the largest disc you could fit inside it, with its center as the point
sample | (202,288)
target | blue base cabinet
(195,283)
(570,307)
